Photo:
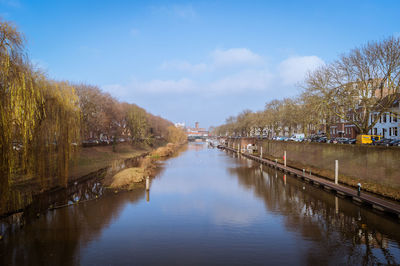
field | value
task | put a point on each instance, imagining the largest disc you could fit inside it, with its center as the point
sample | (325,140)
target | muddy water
(207,207)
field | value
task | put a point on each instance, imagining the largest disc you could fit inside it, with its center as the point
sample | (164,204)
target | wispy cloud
(156,86)
(184,66)
(236,57)
(293,69)
(236,70)
(246,80)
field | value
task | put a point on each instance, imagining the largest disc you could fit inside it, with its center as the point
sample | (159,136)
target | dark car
(395,142)
(382,142)
(350,141)
(342,140)
(322,140)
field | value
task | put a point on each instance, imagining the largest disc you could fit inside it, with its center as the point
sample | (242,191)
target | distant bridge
(194,138)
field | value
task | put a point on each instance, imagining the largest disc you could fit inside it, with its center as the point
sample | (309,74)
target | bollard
(147,183)
(310,172)
(284,179)
(284,159)
(336,171)
(238,148)
(358,189)
(261,152)
(276,163)
(304,172)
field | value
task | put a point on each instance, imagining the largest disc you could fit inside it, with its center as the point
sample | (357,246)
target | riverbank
(392,208)
(374,167)
(97,167)
(90,162)
(129,178)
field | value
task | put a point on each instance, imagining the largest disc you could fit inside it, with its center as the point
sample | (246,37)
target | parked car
(322,140)
(382,142)
(341,140)
(350,141)
(395,142)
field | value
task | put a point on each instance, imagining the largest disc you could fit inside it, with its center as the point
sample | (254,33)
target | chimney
(197,125)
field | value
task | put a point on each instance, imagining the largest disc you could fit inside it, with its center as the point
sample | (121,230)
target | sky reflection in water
(209,207)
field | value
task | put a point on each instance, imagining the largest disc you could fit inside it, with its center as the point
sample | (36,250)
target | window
(395,118)
(390,117)
(380,119)
(395,132)
(384,118)
(375,131)
(390,131)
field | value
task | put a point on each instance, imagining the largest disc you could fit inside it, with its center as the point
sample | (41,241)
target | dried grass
(128,176)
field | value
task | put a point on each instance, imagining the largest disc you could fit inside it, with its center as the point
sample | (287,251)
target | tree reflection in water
(206,207)
(337,228)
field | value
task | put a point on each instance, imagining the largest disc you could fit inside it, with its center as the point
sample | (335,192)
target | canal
(204,207)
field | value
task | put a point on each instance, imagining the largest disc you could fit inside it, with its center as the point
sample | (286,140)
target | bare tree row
(357,89)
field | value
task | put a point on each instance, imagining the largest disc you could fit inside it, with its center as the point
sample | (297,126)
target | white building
(388,125)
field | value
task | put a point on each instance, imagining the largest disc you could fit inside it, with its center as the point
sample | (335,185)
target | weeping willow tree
(57,133)
(39,120)
(18,105)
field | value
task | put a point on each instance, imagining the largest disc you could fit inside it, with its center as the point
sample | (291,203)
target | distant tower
(197,125)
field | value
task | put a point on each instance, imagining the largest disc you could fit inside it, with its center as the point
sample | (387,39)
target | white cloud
(184,66)
(219,77)
(236,57)
(294,69)
(182,85)
(246,80)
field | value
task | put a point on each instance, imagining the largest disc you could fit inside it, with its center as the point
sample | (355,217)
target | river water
(209,207)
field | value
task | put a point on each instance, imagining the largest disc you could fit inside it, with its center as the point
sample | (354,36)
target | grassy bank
(129,178)
(91,159)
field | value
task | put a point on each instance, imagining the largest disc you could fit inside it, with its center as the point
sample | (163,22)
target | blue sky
(195,60)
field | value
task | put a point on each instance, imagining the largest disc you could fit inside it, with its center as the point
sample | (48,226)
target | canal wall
(377,168)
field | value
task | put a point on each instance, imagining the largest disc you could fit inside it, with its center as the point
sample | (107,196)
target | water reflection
(207,207)
(57,237)
(349,234)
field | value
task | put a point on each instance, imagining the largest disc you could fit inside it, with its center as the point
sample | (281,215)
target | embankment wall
(372,166)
